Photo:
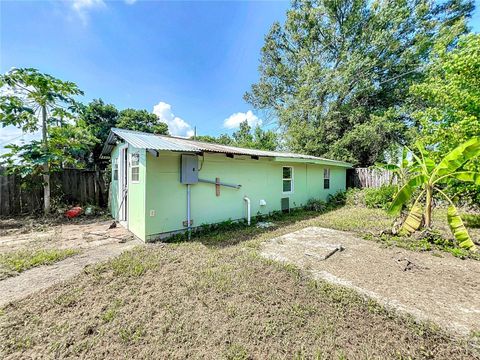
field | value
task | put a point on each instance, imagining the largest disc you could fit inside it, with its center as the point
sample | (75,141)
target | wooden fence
(70,186)
(369,178)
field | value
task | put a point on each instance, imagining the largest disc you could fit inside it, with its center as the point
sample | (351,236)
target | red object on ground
(73,212)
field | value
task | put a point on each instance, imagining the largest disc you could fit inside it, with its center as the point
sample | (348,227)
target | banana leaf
(404,157)
(458,156)
(459,230)
(427,163)
(404,195)
(413,221)
(468,176)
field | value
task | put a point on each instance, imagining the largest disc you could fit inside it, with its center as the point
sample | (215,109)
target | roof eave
(314,161)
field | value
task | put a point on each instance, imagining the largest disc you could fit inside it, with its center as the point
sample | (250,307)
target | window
(135,167)
(326,178)
(287,177)
(115,169)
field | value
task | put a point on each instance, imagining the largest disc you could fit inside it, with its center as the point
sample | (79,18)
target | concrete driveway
(442,289)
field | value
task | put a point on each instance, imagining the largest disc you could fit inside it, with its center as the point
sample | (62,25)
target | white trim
(134,166)
(292,187)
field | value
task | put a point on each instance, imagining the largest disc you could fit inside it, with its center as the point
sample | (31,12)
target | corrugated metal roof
(170,143)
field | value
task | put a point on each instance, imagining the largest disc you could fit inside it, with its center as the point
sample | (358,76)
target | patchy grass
(15,262)
(215,297)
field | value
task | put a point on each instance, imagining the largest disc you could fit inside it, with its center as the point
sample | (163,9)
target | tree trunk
(46,169)
(428,207)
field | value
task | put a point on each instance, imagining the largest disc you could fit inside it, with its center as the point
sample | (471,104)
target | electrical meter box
(189,169)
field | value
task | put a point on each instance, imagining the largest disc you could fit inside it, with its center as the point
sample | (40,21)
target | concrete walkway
(36,279)
(442,289)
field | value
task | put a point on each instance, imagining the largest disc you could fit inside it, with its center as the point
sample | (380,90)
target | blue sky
(190,62)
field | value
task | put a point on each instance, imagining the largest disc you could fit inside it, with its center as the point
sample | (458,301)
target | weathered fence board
(72,186)
(369,178)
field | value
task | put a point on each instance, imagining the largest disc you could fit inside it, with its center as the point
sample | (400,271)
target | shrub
(338,199)
(355,197)
(381,197)
(316,205)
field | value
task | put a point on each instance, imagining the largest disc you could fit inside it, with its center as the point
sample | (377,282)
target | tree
(337,73)
(141,120)
(244,137)
(98,118)
(446,104)
(428,179)
(29,96)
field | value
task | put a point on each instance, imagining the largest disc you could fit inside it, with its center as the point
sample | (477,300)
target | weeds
(131,334)
(18,261)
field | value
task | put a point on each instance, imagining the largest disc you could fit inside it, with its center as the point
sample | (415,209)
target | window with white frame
(326,178)
(287,179)
(115,169)
(135,167)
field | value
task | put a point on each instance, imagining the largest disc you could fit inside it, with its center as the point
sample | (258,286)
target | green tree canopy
(446,105)
(98,118)
(337,73)
(141,120)
(246,138)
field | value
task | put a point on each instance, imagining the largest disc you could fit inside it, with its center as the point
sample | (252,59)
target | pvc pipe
(247,200)
(188,210)
(220,183)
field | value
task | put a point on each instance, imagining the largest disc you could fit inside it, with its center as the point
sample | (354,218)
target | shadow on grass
(230,233)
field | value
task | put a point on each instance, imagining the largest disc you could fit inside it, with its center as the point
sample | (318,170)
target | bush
(316,205)
(355,197)
(338,199)
(381,197)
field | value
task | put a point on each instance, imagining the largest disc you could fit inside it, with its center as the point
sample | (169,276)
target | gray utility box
(189,169)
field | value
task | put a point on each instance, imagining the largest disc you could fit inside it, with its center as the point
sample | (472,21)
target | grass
(15,262)
(215,297)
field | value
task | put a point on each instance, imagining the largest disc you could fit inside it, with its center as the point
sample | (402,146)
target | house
(164,184)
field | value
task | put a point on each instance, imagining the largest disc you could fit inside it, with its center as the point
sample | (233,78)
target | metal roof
(170,143)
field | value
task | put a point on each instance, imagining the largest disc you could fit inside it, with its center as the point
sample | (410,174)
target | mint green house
(163,184)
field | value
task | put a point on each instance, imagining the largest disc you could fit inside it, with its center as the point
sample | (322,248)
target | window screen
(287,179)
(135,167)
(326,178)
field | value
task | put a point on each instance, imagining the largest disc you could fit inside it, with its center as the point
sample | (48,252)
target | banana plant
(427,181)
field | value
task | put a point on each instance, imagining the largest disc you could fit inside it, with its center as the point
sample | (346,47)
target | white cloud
(234,120)
(176,125)
(82,7)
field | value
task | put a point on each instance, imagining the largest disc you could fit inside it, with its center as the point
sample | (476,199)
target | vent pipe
(247,201)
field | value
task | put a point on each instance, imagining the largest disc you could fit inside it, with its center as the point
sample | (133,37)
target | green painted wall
(166,200)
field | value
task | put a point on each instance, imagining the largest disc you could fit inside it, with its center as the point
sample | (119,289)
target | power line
(14,138)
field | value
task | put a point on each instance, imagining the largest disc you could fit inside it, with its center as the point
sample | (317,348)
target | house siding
(260,179)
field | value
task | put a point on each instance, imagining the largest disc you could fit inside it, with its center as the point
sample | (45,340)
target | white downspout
(247,200)
(188,210)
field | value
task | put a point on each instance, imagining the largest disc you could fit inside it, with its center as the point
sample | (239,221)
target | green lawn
(215,297)
(16,262)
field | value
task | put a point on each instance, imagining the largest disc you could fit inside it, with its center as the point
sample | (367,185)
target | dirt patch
(96,242)
(445,290)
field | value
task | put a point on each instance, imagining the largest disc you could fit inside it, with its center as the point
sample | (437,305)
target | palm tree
(427,180)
